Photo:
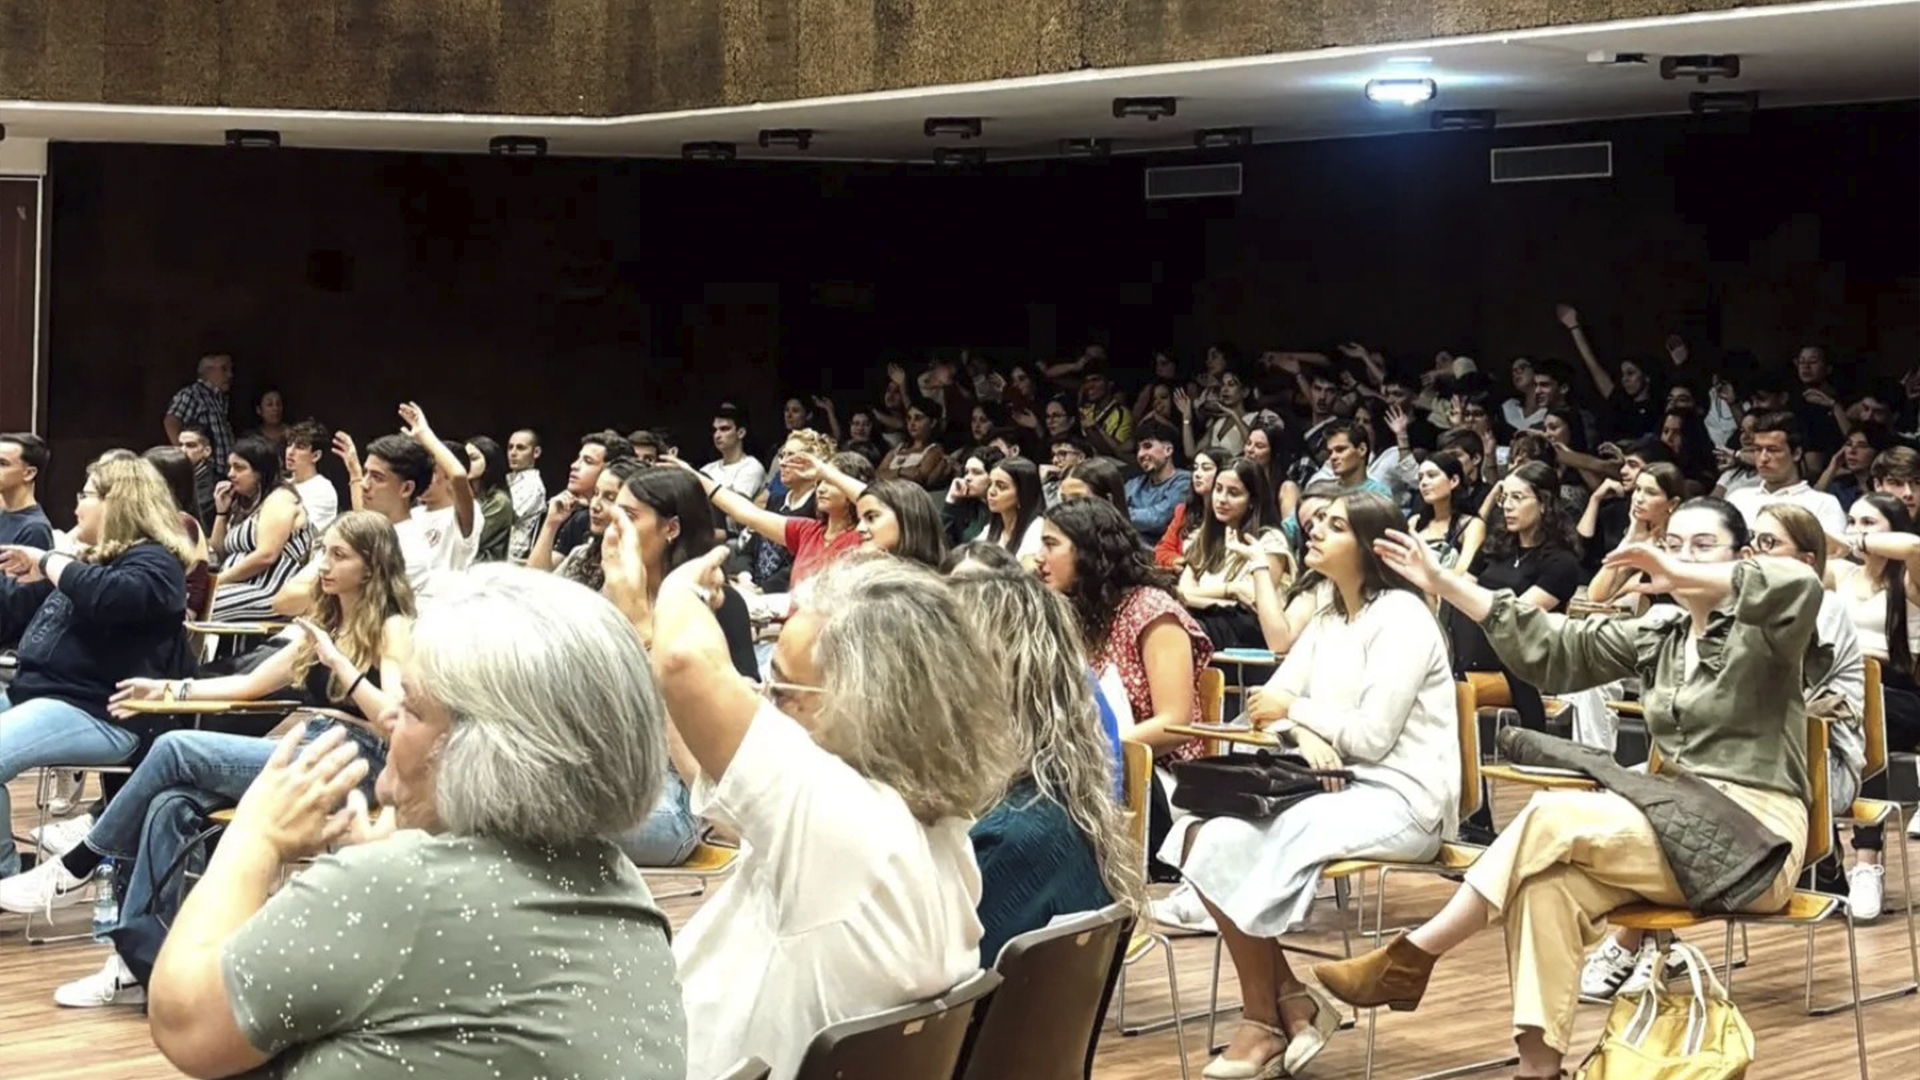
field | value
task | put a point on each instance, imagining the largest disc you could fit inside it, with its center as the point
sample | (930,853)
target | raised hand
(1183,403)
(624,569)
(291,806)
(1409,557)
(413,421)
(347,452)
(1656,565)
(1677,348)
(705,574)
(1568,317)
(1398,420)
(823,403)
(897,374)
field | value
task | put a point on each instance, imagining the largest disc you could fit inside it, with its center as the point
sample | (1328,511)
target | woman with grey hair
(480,921)
(853,782)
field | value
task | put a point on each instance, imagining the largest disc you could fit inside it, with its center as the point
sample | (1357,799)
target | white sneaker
(55,839)
(43,888)
(111,985)
(1866,889)
(1676,968)
(1607,967)
(1182,909)
(66,788)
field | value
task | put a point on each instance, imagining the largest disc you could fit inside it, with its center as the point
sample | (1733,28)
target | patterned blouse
(1141,606)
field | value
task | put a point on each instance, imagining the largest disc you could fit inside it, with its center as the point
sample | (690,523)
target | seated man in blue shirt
(1160,487)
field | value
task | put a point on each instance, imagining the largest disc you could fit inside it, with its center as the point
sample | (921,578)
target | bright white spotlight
(1400,91)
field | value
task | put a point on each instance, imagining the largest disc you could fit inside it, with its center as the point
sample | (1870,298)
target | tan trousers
(1570,857)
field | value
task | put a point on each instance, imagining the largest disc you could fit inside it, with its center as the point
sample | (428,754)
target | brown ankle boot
(1394,976)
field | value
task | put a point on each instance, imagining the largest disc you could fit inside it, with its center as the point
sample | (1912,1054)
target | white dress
(1379,690)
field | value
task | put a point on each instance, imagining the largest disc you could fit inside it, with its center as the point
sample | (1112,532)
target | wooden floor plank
(1463,1018)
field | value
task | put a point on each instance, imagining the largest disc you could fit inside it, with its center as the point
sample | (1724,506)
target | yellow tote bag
(1697,1034)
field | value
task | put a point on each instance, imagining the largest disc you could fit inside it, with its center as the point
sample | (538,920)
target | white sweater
(1379,690)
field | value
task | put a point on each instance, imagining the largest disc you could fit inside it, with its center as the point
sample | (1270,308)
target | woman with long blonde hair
(112,611)
(1056,844)
(343,667)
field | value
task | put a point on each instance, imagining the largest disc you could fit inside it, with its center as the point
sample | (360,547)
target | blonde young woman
(108,614)
(1056,844)
(343,666)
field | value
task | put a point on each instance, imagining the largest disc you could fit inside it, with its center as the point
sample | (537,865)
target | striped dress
(252,600)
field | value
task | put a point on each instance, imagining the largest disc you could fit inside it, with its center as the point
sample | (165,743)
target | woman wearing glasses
(1729,659)
(667,515)
(853,784)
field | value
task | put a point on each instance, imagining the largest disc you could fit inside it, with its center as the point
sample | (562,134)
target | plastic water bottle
(106,908)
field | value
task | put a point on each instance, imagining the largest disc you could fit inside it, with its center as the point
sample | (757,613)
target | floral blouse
(1141,606)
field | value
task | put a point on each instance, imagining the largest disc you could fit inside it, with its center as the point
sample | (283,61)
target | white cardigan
(1379,689)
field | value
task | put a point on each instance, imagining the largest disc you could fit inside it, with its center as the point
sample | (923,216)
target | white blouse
(1379,690)
(843,904)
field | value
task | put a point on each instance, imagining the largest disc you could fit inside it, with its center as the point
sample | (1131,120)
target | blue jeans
(186,775)
(669,834)
(48,732)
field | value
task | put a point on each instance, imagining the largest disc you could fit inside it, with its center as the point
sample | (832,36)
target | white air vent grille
(1571,161)
(1193,181)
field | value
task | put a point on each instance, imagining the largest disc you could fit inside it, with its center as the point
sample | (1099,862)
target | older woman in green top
(1723,678)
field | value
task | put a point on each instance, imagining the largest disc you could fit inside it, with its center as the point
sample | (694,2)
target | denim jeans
(669,834)
(186,775)
(48,732)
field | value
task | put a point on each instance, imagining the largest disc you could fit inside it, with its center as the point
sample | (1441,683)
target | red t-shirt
(807,539)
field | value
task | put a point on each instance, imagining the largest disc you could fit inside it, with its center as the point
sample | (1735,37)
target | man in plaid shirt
(204,404)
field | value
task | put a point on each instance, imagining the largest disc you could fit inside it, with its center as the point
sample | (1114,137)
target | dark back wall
(572,294)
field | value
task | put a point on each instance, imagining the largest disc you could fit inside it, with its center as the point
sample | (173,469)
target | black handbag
(1255,786)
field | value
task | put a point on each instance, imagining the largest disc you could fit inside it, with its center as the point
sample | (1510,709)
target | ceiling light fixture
(1222,138)
(966,127)
(1086,148)
(1701,67)
(251,139)
(708,151)
(1724,101)
(1153,108)
(1464,119)
(1409,59)
(1401,91)
(798,138)
(517,146)
(959,158)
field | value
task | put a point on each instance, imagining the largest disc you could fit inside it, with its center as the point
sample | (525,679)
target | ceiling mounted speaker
(1464,119)
(1223,138)
(252,139)
(1086,148)
(1151,108)
(1701,67)
(517,146)
(965,127)
(707,151)
(797,138)
(1705,103)
(959,159)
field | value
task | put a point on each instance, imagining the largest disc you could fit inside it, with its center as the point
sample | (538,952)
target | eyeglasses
(1698,547)
(1516,498)
(782,692)
(1764,543)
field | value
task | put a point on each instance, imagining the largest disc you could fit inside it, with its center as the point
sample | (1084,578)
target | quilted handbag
(1696,1034)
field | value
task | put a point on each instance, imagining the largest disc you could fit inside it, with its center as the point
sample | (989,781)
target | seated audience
(828,530)
(1849,473)
(1194,510)
(527,731)
(270,408)
(1896,472)
(1658,490)
(1445,520)
(1777,457)
(1153,495)
(853,782)
(1570,857)
(207,470)
(306,442)
(488,475)
(1366,689)
(1056,843)
(342,663)
(963,515)
(1014,503)
(597,451)
(920,458)
(1215,583)
(112,612)
(528,489)
(582,564)
(788,494)
(1096,478)
(177,472)
(260,532)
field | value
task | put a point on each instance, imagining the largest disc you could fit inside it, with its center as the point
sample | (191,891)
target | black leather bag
(1254,786)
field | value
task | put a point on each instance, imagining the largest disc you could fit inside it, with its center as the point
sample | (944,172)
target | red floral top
(1139,607)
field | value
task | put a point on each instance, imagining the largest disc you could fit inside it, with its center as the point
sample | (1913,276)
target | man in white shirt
(736,468)
(1776,460)
(448,513)
(306,441)
(396,470)
(527,489)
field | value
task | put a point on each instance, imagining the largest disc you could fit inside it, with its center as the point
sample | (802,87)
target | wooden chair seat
(1869,812)
(707,859)
(207,708)
(236,629)
(1628,708)
(1511,774)
(1452,857)
(1803,908)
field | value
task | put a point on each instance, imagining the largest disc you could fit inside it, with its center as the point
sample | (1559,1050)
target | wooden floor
(1462,1020)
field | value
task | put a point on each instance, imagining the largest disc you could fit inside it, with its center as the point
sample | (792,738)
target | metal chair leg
(1859,1007)
(1898,819)
(1173,991)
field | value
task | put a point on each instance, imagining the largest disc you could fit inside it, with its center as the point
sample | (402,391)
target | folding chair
(1875,812)
(1043,1023)
(1138,760)
(1805,908)
(921,1040)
